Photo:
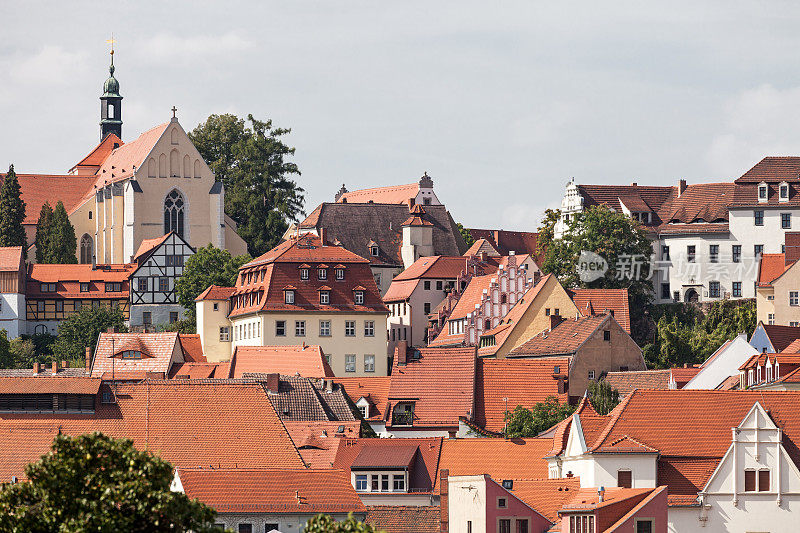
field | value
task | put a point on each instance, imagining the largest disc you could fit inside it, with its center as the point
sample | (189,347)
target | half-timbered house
(158,265)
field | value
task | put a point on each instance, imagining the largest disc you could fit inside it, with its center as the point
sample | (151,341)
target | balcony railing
(402,419)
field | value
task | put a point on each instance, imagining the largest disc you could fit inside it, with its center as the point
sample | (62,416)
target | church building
(121,193)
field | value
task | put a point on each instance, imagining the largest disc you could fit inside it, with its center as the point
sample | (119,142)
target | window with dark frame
(280,328)
(736,289)
(713,253)
(624,479)
(691,252)
(758,217)
(786,220)
(749,480)
(736,253)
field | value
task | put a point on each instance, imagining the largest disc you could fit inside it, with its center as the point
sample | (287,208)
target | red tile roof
(36,189)
(158,350)
(121,161)
(278,270)
(95,158)
(587,498)
(318,442)
(566,338)
(196,371)
(500,458)
(404,518)
(441,383)
(168,418)
(425,466)
(272,490)
(626,382)
(400,290)
(481,245)
(395,194)
(438,267)
(771,267)
(682,376)
(700,202)
(505,242)
(149,244)
(375,389)
(381,458)
(307,361)
(772,169)
(69,277)
(46,385)
(519,381)
(781,336)
(215,292)
(192,347)
(10,258)
(602,301)
(546,496)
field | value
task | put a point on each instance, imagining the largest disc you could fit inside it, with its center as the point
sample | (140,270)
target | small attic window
(373,251)
(762,192)
(131,354)
(508,484)
(784,192)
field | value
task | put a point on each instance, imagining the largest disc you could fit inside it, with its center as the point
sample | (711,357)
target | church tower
(111,105)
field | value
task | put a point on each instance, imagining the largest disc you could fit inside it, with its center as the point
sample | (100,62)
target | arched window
(87,249)
(187,166)
(162,166)
(174,164)
(151,168)
(196,168)
(40,329)
(174,207)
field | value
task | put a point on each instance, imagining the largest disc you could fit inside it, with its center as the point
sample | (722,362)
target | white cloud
(51,64)
(165,47)
(757,122)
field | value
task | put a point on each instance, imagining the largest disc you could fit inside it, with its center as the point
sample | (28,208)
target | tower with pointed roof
(111,105)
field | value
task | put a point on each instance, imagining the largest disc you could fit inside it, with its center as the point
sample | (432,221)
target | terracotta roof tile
(306,361)
(565,338)
(198,371)
(375,389)
(192,347)
(500,458)
(404,518)
(215,292)
(36,189)
(318,442)
(304,399)
(439,267)
(10,258)
(45,385)
(272,491)
(626,382)
(699,202)
(521,381)
(781,336)
(481,245)
(771,267)
(69,277)
(602,301)
(169,418)
(99,153)
(772,169)
(546,496)
(425,465)
(394,194)
(120,162)
(400,290)
(441,383)
(505,242)
(148,245)
(158,352)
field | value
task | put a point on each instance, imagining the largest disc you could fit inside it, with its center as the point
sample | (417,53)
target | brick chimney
(444,511)
(681,187)
(273,381)
(88,358)
(64,364)
(555,320)
(36,368)
(322,236)
(54,368)
(400,352)
(792,241)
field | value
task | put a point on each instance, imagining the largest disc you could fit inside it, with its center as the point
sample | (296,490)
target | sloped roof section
(602,301)
(157,349)
(404,518)
(306,361)
(565,338)
(120,163)
(95,158)
(10,258)
(394,194)
(36,189)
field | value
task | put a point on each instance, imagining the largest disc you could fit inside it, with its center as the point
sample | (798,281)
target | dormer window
(322,273)
(324,297)
(784,192)
(339,274)
(762,192)
(288,296)
(303,273)
(373,251)
(359,297)
(48,287)
(131,354)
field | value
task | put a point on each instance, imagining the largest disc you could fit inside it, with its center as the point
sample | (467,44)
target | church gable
(173,155)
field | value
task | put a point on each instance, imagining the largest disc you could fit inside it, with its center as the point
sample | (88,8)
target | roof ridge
(615,415)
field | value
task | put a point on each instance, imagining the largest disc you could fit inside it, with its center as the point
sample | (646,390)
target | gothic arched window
(174,208)
(87,249)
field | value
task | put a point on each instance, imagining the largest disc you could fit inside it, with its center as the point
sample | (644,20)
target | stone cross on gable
(174,110)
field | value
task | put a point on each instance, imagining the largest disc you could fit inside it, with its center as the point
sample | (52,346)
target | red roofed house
(594,345)
(616,510)
(601,301)
(124,193)
(302,360)
(390,226)
(211,309)
(370,394)
(768,338)
(270,499)
(778,291)
(12,291)
(506,242)
(391,471)
(431,389)
(303,291)
(134,356)
(734,471)
(54,292)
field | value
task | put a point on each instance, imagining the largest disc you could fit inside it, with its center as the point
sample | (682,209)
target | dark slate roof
(305,399)
(356,224)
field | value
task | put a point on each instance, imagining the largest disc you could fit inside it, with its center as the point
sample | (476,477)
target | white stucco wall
(466,500)
(724,365)
(12,314)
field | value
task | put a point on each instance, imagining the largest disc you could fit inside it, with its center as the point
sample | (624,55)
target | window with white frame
(369,363)
(762,192)
(794,298)
(771,319)
(339,274)
(363,410)
(349,328)
(303,273)
(324,297)
(224,334)
(369,328)
(399,483)
(322,273)
(359,297)
(361,482)
(280,328)
(289,297)
(324,328)
(299,328)
(350,362)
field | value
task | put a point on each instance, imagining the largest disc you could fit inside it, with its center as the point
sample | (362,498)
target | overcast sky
(500,102)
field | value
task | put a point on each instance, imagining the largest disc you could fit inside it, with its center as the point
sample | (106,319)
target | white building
(12,291)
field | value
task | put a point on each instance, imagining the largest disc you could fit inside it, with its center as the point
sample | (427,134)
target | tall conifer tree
(63,243)
(43,232)
(12,213)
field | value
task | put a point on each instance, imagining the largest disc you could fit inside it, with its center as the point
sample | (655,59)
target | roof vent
(508,484)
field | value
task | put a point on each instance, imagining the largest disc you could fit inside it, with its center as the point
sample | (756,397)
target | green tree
(251,160)
(43,232)
(6,355)
(522,422)
(326,524)
(96,483)
(82,329)
(12,213)
(209,266)
(603,396)
(468,238)
(23,353)
(63,244)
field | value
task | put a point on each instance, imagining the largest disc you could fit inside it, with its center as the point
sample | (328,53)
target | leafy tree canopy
(12,213)
(61,243)
(603,396)
(251,160)
(43,229)
(468,238)
(82,329)
(209,266)
(326,524)
(522,422)
(6,355)
(96,483)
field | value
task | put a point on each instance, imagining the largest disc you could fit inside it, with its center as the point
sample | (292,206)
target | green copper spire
(111,86)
